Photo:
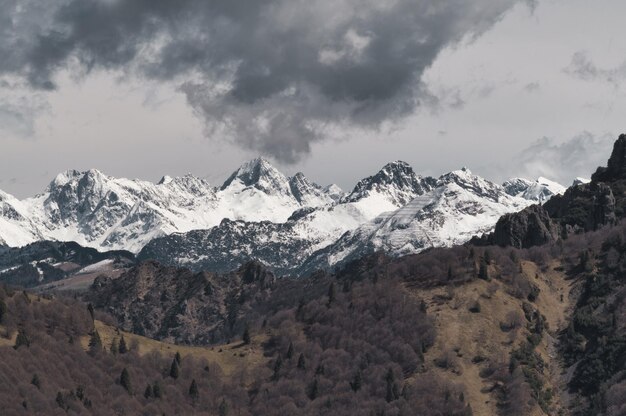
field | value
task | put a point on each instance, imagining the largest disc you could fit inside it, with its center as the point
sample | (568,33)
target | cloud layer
(564,161)
(274,76)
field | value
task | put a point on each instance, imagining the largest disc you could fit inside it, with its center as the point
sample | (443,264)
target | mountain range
(290,224)
(526,319)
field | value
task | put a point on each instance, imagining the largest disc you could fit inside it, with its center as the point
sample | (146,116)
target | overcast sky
(332,88)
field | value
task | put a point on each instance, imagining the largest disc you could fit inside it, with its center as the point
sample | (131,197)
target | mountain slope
(48,262)
(460,206)
(100,211)
(284,246)
(540,190)
(257,213)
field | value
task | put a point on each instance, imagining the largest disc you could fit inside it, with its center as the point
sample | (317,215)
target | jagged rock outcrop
(529,227)
(616,166)
(396,181)
(178,305)
(584,207)
(43,262)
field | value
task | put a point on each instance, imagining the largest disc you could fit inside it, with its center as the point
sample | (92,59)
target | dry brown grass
(468,335)
(229,357)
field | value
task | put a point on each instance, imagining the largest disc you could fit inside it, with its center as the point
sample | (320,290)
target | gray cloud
(564,161)
(582,67)
(19,109)
(274,75)
(532,87)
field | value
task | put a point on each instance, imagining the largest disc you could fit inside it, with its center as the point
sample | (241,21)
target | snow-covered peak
(306,192)
(188,183)
(554,187)
(165,180)
(465,179)
(72,176)
(16,228)
(260,174)
(334,192)
(396,182)
(537,191)
(460,206)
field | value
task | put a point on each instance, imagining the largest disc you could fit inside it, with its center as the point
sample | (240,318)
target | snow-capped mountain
(539,191)
(396,182)
(100,211)
(285,245)
(16,228)
(259,213)
(459,206)
(456,207)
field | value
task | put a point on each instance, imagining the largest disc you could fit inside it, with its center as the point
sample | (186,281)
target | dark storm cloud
(274,75)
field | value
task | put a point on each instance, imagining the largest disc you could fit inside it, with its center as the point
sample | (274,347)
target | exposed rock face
(178,305)
(530,227)
(586,207)
(48,261)
(616,166)
(583,207)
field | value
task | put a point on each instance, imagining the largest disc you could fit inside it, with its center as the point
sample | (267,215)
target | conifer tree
(301,304)
(21,339)
(148,392)
(392,387)
(483,271)
(301,362)
(95,343)
(3,310)
(174,370)
(193,390)
(91,311)
(357,382)
(35,381)
(290,351)
(156,390)
(487,257)
(123,349)
(178,358)
(246,335)
(331,294)
(314,389)
(114,346)
(277,366)
(61,400)
(223,409)
(125,381)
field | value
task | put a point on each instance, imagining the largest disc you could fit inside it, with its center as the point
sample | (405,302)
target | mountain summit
(258,173)
(396,181)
